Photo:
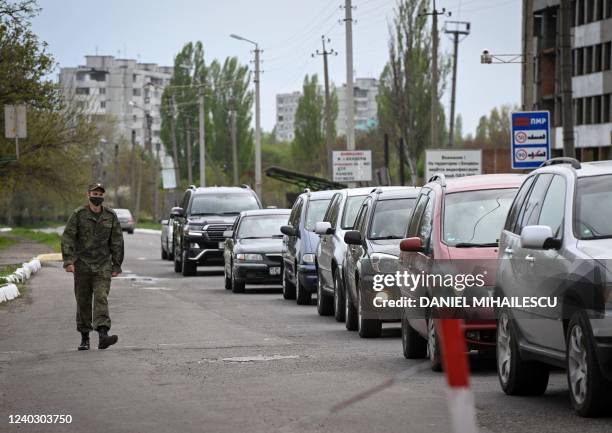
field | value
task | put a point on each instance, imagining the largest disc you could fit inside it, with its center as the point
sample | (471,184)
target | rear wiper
(473,245)
(229,213)
(203,213)
(385,237)
(254,237)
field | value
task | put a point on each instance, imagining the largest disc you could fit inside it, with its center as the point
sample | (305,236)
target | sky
(288,32)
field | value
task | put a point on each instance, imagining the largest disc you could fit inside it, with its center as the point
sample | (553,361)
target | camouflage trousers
(91,292)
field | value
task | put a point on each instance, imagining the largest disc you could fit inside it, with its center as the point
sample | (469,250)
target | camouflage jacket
(96,242)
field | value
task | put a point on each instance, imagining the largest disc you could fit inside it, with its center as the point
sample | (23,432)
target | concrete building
(365,93)
(121,89)
(286,106)
(592,72)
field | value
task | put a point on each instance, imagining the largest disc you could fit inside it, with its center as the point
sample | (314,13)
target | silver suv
(557,245)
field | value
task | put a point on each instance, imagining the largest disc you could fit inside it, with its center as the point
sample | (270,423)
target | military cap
(94,186)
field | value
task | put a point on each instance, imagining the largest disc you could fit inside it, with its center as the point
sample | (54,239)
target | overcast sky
(288,31)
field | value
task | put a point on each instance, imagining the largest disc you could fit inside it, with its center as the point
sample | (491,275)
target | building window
(134,77)
(607,54)
(136,92)
(606,109)
(81,76)
(590,10)
(82,90)
(579,12)
(580,61)
(102,91)
(598,57)
(588,110)
(102,104)
(608,9)
(588,60)
(597,109)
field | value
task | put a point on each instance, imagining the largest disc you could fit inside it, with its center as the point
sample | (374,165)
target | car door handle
(530,258)
(509,251)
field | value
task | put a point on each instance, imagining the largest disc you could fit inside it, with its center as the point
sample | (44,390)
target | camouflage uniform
(93,243)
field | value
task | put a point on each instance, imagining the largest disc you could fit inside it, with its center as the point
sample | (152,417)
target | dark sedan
(253,249)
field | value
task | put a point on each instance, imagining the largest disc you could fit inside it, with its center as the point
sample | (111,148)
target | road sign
(530,137)
(352,165)
(453,163)
(15,121)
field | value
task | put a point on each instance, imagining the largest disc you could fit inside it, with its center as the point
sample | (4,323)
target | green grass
(43,224)
(148,224)
(7,242)
(52,240)
(7,270)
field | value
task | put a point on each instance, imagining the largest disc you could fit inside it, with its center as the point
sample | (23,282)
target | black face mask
(96,201)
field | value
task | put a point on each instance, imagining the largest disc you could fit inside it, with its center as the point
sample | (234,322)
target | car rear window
(220,204)
(316,211)
(593,208)
(351,208)
(391,218)
(261,226)
(123,213)
(476,217)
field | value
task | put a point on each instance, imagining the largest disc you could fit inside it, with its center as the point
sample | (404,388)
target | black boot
(84,341)
(105,339)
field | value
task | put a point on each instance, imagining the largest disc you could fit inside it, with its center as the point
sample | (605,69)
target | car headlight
(308,258)
(193,230)
(249,257)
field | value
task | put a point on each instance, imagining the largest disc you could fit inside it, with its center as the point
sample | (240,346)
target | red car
(453,237)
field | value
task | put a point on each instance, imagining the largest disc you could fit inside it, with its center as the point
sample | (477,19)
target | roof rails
(562,160)
(192,187)
(245,186)
(438,177)
(307,190)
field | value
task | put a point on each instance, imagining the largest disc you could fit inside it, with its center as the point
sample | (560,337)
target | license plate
(221,245)
(275,270)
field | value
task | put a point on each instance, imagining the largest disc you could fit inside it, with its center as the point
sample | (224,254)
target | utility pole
(133,170)
(329,138)
(174,145)
(434,71)
(116,182)
(234,146)
(457,34)
(527,71)
(257,125)
(350,111)
(201,140)
(156,183)
(188,149)
(566,78)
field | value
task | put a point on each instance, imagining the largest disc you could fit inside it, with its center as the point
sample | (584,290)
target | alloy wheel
(577,365)
(504,351)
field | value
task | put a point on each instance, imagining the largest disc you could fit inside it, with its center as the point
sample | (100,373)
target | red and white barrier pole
(454,359)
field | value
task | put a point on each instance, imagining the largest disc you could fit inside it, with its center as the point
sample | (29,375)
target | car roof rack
(438,177)
(245,186)
(562,160)
(192,187)
(307,190)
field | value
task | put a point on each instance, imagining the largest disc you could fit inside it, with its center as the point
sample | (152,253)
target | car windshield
(222,204)
(261,226)
(391,218)
(476,218)
(316,211)
(351,208)
(593,209)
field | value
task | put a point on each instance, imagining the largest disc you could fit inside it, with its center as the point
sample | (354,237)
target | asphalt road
(193,357)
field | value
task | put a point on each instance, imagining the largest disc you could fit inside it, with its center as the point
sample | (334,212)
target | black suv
(204,214)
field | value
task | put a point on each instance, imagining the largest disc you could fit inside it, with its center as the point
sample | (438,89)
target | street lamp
(486,58)
(257,115)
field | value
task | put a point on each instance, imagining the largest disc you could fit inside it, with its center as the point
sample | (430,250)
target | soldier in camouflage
(92,249)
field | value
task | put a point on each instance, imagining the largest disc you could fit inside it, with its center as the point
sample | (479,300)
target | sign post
(530,139)
(352,166)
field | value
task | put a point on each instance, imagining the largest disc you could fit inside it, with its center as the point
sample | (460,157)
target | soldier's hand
(114,274)
(70,268)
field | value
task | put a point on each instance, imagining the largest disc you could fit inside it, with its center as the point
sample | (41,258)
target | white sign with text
(452,163)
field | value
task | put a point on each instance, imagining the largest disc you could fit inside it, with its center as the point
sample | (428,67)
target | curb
(8,289)
(51,257)
(148,231)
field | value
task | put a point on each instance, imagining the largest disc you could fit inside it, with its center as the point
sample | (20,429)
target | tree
(458,138)
(494,130)
(405,85)
(309,128)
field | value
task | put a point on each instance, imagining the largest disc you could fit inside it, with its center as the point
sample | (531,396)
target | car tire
(414,345)
(325,303)
(339,310)
(302,296)
(237,286)
(433,346)
(130,231)
(188,269)
(367,328)
(590,392)
(177,264)
(228,280)
(288,287)
(516,376)
(350,313)
(164,254)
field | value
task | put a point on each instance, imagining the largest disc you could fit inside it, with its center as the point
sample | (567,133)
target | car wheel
(302,296)
(237,286)
(433,346)
(516,376)
(325,303)
(177,264)
(228,281)
(188,268)
(164,254)
(131,231)
(339,309)
(413,345)
(288,287)
(590,392)
(350,312)
(367,328)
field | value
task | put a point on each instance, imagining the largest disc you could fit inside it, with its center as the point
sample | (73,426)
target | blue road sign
(530,139)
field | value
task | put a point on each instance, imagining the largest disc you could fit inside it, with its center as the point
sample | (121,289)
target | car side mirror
(539,238)
(177,212)
(353,237)
(324,228)
(228,234)
(411,245)
(288,230)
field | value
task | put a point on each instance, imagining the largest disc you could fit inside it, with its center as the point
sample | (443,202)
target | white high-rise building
(286,106)
(121,89)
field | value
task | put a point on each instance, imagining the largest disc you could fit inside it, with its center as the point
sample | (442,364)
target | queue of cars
(545,234)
